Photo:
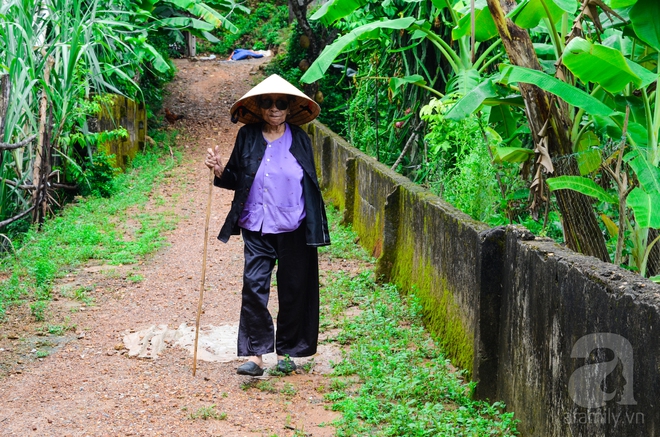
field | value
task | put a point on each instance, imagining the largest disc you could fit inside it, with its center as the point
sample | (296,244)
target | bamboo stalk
(37,179)
(201,284)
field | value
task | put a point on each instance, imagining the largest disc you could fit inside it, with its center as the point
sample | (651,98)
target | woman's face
(274,108)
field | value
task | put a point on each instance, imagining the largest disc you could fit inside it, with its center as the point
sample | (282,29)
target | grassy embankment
(93,228)
(394,379)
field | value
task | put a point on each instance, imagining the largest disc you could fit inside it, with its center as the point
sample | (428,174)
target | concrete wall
(567,342)
(130,115)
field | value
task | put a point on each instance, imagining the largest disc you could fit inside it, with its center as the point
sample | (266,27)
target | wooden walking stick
(201,284)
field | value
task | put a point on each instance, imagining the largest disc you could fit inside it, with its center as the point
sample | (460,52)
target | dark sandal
(286,366)
(250,368)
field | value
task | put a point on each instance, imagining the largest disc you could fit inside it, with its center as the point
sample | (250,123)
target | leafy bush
(262,29)
(152,82)
(459,166)
(99,176)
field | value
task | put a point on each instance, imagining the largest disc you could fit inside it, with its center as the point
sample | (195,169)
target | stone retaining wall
(566,341)
(130,115)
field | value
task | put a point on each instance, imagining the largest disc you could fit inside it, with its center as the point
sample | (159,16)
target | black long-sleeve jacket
(242,167)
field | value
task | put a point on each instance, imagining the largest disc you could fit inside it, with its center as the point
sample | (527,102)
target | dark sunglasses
(267,103)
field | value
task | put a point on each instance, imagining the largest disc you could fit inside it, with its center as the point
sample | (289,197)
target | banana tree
(595,82)
(581,228)
(579,93)
(194,16)
(466,68)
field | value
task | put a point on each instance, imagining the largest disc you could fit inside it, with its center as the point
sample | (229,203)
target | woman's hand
(213,161)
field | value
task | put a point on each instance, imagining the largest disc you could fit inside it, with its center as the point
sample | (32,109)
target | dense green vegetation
(575,156)
(59,61)
(265,28)
(382,386)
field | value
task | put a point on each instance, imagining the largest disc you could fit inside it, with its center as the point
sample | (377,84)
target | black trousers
(297,290)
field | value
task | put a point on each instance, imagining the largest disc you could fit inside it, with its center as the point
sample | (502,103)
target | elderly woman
(279,210)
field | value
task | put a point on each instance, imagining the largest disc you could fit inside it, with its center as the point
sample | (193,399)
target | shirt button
(266,174)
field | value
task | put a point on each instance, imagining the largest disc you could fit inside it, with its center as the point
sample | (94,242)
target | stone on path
(216,343)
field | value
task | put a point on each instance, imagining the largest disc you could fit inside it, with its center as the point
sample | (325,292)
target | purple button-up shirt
(275,203)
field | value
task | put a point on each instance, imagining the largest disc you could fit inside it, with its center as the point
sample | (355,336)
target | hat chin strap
(303,108)
(242,111)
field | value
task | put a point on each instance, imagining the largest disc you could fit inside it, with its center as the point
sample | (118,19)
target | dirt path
(90,385)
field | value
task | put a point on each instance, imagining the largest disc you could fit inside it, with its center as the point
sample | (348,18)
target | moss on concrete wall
(421,253)
(130,115)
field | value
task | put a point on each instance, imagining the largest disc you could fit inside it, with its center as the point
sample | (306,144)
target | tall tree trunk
(318,39)
(580,224)
(299,9)
(42,162)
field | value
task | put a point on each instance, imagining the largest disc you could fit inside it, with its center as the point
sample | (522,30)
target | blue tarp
(240,54)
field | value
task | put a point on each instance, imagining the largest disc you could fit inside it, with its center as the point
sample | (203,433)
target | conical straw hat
(302,110)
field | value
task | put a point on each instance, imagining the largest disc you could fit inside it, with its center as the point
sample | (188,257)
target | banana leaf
(334,10)
(206,13)
(186,22)
(604,65)
(441,4)
(529,13)
(471,101)
(483,22)
(644,16)
(572,95)
(156,58)
(398,82)
(569,6)
(588,157)
(642,203)
(647,174)
(612,228)
(511,154)
(582,185)
(330,53)
(619,4)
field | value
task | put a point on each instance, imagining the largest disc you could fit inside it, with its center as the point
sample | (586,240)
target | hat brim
(302,109)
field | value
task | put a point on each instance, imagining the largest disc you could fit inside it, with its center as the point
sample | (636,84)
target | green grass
(344,240)
(135,278)
(206,413)
(394,379)
(59,329)
(288,389)
(115,230)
